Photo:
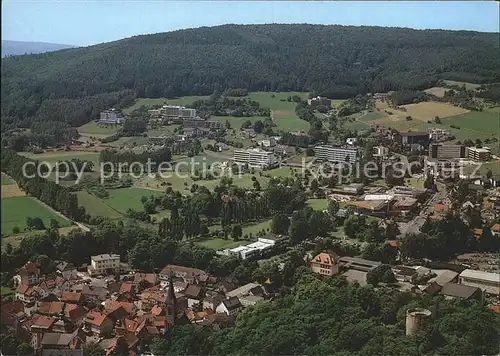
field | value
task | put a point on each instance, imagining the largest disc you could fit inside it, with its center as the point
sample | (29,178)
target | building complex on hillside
(336,154)
(173,113)
(478,154)
(319,101)
(111,116)
(441,151)
(255,157)
(414,138)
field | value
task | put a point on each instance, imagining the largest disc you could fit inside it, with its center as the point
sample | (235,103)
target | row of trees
(52,194)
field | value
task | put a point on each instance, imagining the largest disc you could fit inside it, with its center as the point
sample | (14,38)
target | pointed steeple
(171,301)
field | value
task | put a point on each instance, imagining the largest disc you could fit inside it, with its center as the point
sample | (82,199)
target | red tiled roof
(126,287)
(393,243)
(71,297)
(495,308)
(74,312)
(95,317)
(112,305)
(150,277)
(156,310)
(325,259)
(495,227)
(51,308)
(22,288)
(43,322)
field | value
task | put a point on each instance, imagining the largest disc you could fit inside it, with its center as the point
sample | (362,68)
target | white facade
(336,154)
(111,116)
(101,263)
(255,158)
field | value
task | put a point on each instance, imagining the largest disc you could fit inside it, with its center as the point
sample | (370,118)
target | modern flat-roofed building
(111,116)
(319,100)
(336,154)
(358,264)
(100,264)
(255,158)
(486,281)
(173,113)
(478,154)
(411,138)
(440,151)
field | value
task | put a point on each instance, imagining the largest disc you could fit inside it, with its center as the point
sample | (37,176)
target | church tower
(171,301)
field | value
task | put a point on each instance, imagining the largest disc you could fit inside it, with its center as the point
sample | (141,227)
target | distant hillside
(12,48)
(338,61)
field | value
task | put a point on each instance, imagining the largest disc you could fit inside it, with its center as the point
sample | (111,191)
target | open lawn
(480,121)
(483,168)
(96,206)
(94,128)
(185,100)
(221,244)
(284,111)
(6,180)
(5,291)
(427,110)
(318,204)
(128,198)
(16,210)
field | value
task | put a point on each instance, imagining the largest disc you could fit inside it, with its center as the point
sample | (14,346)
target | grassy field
(5,291)
(94,128)
(16,210)
(96,206)
(318,204)
(6,180)
(437,91)
(221,244)
(284,111)
(53,157)
(125,198)
(185,100)
(467,85)
(484,168)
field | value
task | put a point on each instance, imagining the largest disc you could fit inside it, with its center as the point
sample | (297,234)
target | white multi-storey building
(111,116)
(101,264)
(336,154)
(256,158)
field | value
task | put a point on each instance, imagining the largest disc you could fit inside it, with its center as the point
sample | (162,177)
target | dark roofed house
(230,306)
(67,270)
(463,291)
(194,293)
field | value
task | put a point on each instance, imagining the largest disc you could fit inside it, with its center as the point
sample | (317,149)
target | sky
(87,22)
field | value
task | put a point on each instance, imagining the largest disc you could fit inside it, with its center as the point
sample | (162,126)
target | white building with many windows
(336,154)
(255,157)
(101,264)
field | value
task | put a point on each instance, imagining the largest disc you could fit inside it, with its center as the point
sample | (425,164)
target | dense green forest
(328,317)
(73,85)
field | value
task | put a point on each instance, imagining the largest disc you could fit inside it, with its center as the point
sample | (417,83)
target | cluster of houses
(452,283)
(70,308)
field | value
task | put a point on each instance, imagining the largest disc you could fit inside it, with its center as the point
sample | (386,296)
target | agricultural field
(15,211)
(96,206)
(467,85)
(428,110)
(94,128)
(436,91)
(185,100)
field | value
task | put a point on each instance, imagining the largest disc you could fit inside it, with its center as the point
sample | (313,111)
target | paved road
(413,227)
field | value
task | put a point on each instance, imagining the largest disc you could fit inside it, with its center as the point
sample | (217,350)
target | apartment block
(101,264)
(336,154)
(478,154)
(414,138)
(255,158)
(173,113)
(441,151)
(111,116)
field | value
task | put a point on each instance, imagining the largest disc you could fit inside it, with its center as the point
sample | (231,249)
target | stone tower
(171,301)
(415,318)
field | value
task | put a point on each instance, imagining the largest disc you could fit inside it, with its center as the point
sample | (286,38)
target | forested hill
(337,61)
